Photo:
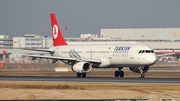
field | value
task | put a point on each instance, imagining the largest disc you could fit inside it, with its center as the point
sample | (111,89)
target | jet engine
(82,67)
(137,70)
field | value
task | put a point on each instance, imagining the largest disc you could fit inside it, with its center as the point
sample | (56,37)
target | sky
(19,17)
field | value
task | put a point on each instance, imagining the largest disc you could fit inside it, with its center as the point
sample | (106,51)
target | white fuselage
(114,55)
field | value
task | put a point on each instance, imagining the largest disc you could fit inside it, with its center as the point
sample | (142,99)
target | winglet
(58,38)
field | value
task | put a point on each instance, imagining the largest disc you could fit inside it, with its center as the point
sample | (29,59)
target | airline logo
(122,48)
(55,31)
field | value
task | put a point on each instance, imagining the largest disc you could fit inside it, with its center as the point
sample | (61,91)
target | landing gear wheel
(83,75)
(78,75)
(121,73)
(116,74)
(141,75)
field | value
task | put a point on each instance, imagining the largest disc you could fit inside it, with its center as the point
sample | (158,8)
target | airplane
(4,52)
(82,58)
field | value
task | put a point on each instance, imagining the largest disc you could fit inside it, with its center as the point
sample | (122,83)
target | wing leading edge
(41,50)
(64,58)
(166,54)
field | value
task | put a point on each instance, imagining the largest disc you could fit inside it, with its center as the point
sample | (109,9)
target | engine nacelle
(136,69)
(104,62)
(82,67)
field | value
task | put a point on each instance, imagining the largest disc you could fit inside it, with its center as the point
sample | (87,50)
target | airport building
(144,34)
(5,42)
(157,38)
(89,36)
(32,41)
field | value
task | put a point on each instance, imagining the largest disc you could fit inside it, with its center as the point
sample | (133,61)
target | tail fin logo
(57,36)
(55,31)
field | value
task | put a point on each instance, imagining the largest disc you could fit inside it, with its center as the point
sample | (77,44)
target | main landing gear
(81,75)
(141,75)
(119,73)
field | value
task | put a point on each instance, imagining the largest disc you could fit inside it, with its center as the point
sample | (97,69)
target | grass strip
(86,86)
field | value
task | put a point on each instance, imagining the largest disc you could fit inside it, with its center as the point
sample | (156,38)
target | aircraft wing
(63,58)
(41,50)
(165,54)
(166,48)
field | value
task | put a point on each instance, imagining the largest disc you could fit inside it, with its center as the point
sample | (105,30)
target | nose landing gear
(141,75)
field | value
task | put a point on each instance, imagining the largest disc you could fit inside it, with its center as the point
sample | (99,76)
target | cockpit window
(140,51)
(146,51)
(152,51)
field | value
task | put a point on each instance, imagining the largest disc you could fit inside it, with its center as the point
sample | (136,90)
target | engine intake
(137,70)
(82,67)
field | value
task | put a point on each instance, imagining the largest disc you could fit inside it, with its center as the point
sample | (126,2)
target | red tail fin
(58,38)
(4,52)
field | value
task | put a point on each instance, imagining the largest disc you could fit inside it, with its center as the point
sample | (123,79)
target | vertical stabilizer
(4,52)
(57,36)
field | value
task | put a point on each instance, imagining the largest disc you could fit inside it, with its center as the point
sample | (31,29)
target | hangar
(153,34)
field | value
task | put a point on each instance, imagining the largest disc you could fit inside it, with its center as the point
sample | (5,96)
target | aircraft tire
(117,73)
(121,73)
(78,75)
(83,75)
(141,75)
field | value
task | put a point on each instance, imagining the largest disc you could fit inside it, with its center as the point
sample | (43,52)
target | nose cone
(151,59)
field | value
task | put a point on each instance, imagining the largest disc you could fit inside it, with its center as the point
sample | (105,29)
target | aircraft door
(90,54)
(132,55)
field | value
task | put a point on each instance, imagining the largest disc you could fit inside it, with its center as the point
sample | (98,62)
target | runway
(90,79)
